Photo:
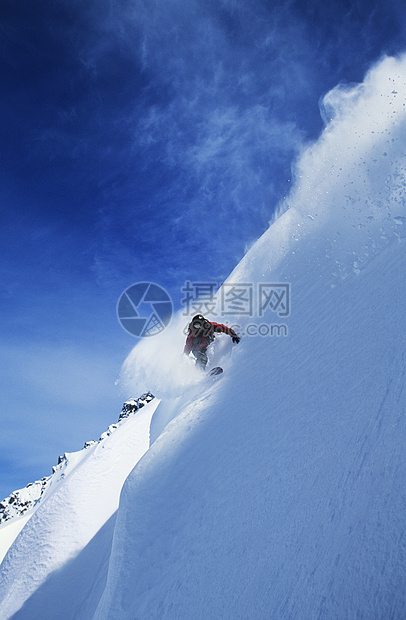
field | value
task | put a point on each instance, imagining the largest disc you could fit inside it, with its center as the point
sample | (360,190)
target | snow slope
(60,557)
(277,491)
(281,493)
(20,506)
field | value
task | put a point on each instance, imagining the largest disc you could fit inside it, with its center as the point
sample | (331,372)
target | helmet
(198,317)
(199,321)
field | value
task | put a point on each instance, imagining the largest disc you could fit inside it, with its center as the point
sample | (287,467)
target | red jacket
(203,337)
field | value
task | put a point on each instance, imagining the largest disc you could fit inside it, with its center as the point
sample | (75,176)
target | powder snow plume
(158,363)
(355,161)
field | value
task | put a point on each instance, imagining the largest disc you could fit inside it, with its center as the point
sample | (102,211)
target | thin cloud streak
(218,128)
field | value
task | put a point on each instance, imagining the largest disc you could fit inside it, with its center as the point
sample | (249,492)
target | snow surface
(19,507)
(279,490)
(64,547)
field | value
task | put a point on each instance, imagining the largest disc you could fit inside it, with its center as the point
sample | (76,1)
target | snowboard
(217,370)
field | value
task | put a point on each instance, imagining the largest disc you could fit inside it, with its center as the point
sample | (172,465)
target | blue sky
(142,141)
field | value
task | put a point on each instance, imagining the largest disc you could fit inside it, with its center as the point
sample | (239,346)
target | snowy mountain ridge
(24,502)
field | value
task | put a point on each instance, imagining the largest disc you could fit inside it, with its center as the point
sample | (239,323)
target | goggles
(197,325)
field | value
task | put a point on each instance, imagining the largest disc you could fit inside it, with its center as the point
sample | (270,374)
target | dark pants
(201,358)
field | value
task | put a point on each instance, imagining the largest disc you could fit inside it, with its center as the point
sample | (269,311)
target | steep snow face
(19,507)
(60,557)
(279,491)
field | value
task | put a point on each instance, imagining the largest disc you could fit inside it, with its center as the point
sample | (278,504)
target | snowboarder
(201,333)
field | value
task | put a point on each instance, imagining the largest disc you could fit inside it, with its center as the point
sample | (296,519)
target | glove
(236,339)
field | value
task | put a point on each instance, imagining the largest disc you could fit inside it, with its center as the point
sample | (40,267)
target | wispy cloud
(216,119)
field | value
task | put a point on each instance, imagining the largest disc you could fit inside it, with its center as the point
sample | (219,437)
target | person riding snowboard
(201,333)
